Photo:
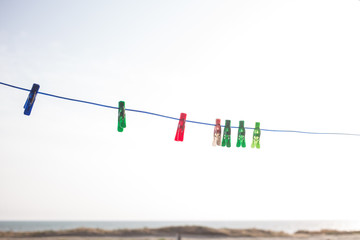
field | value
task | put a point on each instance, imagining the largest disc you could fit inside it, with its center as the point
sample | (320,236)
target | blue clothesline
(173,118)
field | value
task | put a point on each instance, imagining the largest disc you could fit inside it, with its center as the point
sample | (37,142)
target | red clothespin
(181,128)
(217,133)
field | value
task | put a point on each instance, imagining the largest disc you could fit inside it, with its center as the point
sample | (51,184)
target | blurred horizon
(290,226)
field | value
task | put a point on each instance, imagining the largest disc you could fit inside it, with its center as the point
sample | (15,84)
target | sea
(285,226)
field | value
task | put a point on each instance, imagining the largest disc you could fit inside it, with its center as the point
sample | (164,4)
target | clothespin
(227,134)
(121,117)
(31,99)
(181,128)
(241,135)
(217,133)
(256,136)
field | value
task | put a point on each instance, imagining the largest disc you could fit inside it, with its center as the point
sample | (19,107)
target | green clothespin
(241,135)
(121,117)
(256,136)
(227,134)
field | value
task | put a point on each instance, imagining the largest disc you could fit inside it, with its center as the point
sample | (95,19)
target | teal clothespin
(256,136)
(121,117)
(227,134)
(241,135)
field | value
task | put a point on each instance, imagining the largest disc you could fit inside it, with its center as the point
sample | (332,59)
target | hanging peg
(121,117)
(256,136)
(241,135)
(217,133)
(227,134)
(181,128)
(31,99)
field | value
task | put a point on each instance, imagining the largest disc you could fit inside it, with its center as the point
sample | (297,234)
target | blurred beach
(179,233)
(325,237)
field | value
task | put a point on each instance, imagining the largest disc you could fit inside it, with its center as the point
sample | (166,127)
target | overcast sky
(287,64)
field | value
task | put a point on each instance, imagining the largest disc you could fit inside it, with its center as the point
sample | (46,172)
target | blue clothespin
(31,99)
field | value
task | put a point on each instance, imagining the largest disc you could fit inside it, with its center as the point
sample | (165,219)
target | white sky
(288,64)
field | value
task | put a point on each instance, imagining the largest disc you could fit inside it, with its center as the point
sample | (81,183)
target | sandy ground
(328,237)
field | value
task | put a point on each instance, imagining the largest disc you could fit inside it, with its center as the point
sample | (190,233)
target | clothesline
(174,118)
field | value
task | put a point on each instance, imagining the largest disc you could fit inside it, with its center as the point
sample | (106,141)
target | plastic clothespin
(227,134)
(256,136)
(31,99)
(181,128)
(217,133)
(121,117)
(241,135)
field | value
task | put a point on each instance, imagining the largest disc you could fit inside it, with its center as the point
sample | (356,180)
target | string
(174,118)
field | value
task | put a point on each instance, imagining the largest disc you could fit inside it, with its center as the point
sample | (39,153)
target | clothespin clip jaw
(121,117)
(226,141)
(217,133)
(256,136)
(179,137)
(241,135)
(31,99)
